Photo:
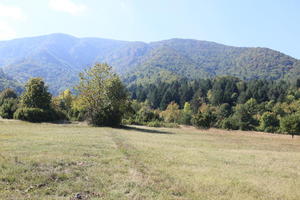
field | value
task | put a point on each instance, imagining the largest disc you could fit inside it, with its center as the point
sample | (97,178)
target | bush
(129,121)
(145,115)
(7,94)
(269,122)
(76,114)
(106,117)
(186,114)
(186,118)
(36,95)
(38,115)
(290,124)
(170,125)
(8,107)
(244,116)
(203,120)
(58,115)
(172,113)
(222,114)
(230,124)
(224,111)
(155,124)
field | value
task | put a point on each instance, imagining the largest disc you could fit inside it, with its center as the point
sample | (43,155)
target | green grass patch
(54,161)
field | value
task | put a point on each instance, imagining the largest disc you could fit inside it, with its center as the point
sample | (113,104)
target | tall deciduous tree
(103,94)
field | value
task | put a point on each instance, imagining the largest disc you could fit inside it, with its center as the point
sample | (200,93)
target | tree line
(101,99)
(224,102)
(216,91)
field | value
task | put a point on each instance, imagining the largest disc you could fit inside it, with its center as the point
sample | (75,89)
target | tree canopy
(103,95)
(36,95)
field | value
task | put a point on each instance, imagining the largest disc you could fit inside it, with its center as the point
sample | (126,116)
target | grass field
(53,161)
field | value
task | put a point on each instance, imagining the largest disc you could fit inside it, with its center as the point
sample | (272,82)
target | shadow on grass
(134,128)
(130,128)
(61,122)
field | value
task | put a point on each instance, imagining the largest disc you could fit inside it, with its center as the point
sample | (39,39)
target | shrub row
(38,115)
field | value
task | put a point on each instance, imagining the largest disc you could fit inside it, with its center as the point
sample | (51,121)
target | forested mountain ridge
(201,59)
(58,58)
(7,82)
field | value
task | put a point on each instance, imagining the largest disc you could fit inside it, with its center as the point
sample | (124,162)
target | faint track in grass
(156,181)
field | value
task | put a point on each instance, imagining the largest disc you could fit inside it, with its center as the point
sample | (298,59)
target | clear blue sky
(264,23)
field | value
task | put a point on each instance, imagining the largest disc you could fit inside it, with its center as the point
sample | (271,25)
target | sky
(248,23)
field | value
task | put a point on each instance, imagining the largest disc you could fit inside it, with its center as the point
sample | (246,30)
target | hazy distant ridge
(58,58)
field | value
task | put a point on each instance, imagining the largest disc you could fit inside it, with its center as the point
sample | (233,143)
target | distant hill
(58,58)
(201,59)
(7,82)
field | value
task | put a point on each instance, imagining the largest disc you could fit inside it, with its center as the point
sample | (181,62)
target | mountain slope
(58,58)
(7,82)
(201,59)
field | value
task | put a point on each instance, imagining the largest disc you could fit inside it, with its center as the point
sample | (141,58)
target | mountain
(201,59)
(58,58)
(7,82)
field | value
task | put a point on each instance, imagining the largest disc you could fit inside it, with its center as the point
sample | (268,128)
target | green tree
(63,102)
(67,98)
(224,110)
(230,123)
(145,115)
(269,122)
(186,115)
(244,117)
(7,94)
(224,91)
(8,108)
(36,103)
(290,124)
(8,103)
(166,99)
(252,106)
(206,117)
(172,113)
(36,95)
(103,95)
(78,109)
(203,120)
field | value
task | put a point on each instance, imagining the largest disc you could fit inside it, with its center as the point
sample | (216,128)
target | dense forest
(223,102)
(103,100)
(216,91)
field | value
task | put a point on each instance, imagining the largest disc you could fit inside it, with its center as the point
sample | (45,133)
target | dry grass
(56,161)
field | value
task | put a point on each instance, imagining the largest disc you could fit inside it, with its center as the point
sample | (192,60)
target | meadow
(75,161)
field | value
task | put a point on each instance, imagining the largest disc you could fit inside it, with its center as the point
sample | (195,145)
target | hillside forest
(55,55)
(101,99)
